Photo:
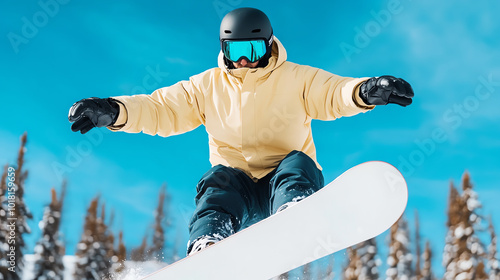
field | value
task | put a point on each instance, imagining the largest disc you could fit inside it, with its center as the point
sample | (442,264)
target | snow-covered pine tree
(362,261)
(353,267)
(93,250)
(464,253)
(369,260)
(156,251)
(328,273)
(139,254)
(306,271)
(121,254)
(116,260)
(284,276)
(426,272)
(400,258)
(418,271)
(107,235)
(477,248)
(19,215)
(85,248)
(450,253)
(493,263)
(108,241)
(23,214)
(49,249)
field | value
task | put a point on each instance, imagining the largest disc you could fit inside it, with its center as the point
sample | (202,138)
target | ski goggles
(251,50)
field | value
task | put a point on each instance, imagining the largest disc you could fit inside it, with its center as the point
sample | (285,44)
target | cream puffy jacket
(254,116)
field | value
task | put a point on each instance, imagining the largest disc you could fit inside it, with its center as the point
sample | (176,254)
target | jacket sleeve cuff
(121,121)
(357,99)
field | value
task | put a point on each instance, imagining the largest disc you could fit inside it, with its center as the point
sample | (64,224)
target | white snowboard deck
(360,204)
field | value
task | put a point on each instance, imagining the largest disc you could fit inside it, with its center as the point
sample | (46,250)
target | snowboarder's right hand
(93,112)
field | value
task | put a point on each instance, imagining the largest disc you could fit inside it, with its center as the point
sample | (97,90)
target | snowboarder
(257,108)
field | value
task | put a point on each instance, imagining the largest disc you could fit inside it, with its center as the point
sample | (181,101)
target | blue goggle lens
(252,50)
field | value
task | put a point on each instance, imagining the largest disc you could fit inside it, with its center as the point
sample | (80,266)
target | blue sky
(55,54)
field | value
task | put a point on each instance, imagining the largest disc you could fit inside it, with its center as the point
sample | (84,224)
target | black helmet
(247,24)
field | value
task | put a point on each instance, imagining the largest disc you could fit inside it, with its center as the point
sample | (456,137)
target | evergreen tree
(95,250)
(477,248)
(22,211)
(307,271)
(121,254)
(156,251)
(117,255)
(418,272)
(362,261)
(17,215)
(400,258)
(369,260)
(49,249)
(450,253)
(426,273)
(328,273)
(139,254)
(284,276)
(464,253)
(353,267)
(106,235)
(493,263)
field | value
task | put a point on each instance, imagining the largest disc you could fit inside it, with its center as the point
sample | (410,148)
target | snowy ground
(134,270)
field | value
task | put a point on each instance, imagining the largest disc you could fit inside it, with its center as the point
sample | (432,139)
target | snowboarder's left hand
(386,89)
(93,112)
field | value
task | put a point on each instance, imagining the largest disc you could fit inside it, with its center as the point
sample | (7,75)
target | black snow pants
(228,200)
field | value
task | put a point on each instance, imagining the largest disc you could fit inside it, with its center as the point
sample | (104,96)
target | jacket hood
(278,57)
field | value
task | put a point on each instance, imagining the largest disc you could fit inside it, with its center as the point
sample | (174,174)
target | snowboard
(360,204)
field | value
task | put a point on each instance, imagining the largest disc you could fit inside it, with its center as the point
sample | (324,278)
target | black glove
(93,112)
(386,89)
